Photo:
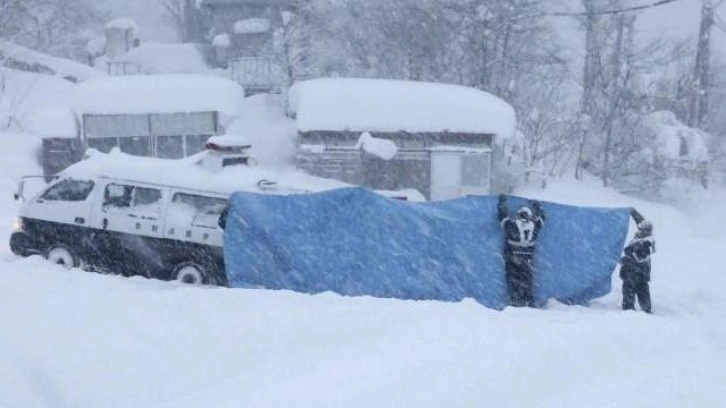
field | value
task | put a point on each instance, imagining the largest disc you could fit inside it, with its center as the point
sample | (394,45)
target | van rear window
(68,190)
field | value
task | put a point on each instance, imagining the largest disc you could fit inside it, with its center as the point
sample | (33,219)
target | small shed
(443,134)
(167,116)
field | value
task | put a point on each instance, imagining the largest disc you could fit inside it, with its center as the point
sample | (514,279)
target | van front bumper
(22,244)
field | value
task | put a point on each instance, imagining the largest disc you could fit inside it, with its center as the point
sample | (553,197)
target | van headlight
(18,224)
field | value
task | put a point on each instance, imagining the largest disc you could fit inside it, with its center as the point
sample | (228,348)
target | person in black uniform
(635,265)
(520,235)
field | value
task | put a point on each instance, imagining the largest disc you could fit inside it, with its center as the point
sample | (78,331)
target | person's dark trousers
(519,280)
(636,286)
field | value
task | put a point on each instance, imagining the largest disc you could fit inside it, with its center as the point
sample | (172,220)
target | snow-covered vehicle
(125,225)
(147,216)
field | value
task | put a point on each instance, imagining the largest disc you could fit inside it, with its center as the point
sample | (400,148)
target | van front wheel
(191,273)
(60,254)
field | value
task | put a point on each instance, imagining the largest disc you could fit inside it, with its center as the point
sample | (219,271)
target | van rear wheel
(60,254)
(190,273)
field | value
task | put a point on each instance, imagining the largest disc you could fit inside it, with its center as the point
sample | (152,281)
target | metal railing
(259,72)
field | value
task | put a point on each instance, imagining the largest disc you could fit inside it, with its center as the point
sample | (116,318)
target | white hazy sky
(677,20)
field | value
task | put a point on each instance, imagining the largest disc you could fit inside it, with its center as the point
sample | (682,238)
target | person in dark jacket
(222,221)
(635,265)
(520,235)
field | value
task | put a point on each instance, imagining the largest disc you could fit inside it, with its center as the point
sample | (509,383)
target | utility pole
(589,74)
(699,104)
(589,78)
(614,96)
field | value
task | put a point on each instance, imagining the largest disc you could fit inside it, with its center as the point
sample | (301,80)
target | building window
(170,147)
(138,146)
(195,143)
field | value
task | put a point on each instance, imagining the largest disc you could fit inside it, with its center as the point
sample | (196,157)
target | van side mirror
(19,191)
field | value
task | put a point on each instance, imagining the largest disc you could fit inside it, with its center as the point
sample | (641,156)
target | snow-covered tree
(58,27)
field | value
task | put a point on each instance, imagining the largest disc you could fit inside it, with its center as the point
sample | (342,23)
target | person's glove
(637,217)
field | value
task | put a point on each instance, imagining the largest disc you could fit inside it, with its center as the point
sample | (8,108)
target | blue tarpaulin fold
(355,242)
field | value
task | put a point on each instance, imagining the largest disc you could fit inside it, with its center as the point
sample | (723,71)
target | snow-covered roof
(221,40)
(57,66)
(57,122)
(189,173)
(167,59)
(96,46)
(252,26)
(139,94)
(124,24)
(379,105)
(229,141)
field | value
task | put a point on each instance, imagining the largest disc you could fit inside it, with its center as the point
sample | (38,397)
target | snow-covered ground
(79,339)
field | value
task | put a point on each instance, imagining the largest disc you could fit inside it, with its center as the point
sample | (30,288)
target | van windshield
(68,190)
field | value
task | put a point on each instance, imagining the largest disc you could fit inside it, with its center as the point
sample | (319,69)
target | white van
(140,215)
(152,217)
(125,226)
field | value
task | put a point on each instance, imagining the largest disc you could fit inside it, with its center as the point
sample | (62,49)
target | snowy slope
(265,125)
(23,93)
(80,339)
(61,67)
(18,160)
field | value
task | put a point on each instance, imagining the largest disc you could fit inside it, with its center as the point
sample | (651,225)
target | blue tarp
(355,242)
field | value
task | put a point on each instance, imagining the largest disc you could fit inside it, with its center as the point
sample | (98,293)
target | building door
(445,175)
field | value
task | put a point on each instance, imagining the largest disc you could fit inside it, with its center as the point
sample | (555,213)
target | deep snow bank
(23,160)
(72,338)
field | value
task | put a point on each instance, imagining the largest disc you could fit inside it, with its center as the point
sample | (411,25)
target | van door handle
(80,220)
(105,223)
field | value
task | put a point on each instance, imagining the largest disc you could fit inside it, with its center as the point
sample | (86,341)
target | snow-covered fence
(124,68)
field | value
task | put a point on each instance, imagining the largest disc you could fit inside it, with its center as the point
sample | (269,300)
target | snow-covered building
(250,23)
(166,116)
(388,134)
(246,40)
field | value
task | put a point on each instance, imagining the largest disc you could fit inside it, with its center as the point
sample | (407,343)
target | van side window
(135,201)
(195,210)
(68,190)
